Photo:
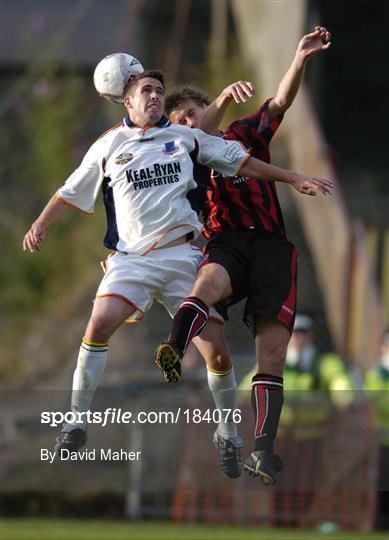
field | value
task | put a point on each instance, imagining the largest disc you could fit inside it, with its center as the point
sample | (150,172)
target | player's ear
(128,101)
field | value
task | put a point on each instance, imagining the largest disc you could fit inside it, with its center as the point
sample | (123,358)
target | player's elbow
(280,105)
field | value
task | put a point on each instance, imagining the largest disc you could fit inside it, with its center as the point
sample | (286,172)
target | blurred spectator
(377,385)
(308,369)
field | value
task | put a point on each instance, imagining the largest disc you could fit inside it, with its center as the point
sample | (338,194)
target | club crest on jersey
(170,148)
(123,158)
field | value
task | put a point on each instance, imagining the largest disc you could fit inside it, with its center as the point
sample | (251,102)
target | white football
(112,74)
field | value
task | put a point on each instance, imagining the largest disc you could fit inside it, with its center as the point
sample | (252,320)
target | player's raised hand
(33,238)
(240,91)
(316,41)
(309,185)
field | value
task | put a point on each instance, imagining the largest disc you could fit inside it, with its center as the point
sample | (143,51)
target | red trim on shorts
(203,263)
(287,312)
(116,295)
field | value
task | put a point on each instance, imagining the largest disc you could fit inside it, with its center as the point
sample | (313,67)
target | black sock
(267,397)
(190,319)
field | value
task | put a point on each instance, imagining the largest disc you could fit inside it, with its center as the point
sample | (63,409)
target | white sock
(224,390)
(91,363)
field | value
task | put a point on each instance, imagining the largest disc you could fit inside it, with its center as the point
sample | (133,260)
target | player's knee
(219,360)
(208,290)
(272,358)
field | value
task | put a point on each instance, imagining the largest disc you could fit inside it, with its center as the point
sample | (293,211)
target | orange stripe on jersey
(143,128)
(243,162)
(104,264)
(162,236)
(116,126)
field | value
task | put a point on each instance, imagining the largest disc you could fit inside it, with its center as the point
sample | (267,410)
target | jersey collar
(162,123)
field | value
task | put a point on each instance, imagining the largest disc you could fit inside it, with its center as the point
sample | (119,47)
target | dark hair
(133,82)
(180,93)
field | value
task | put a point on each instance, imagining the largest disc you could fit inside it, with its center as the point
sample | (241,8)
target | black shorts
(262,269)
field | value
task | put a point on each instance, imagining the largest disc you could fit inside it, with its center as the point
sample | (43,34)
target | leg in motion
(222,384)
(107,314)
(271,341)
(212,285)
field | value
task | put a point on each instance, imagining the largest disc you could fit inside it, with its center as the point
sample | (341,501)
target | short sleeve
(227,157)
(82,187)
(258,125)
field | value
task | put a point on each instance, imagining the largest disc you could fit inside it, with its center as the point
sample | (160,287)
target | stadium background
(50,114)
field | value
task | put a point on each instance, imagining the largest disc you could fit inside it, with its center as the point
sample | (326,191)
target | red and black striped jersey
(240,202)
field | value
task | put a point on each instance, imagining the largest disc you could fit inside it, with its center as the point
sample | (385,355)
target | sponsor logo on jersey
(287,309)
(170,148)
(146,139)
(123,158)
(240,179)
(157,175)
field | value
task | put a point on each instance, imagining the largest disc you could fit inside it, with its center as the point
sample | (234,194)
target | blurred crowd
(322,388)
(319,385)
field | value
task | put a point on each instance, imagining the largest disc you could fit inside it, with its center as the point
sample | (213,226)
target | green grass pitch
(61,529)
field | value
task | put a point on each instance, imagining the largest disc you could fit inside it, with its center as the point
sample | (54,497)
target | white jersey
(145,175)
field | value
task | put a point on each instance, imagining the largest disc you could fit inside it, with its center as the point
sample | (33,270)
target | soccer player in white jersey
(144,167)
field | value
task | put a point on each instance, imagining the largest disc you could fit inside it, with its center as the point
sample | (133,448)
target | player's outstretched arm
(307,185)
(239,91)
(310,44)
(37,232)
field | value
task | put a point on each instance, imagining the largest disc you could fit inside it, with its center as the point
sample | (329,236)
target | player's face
(188,113)
(146,106)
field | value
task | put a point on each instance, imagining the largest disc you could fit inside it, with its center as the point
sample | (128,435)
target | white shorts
(166,275)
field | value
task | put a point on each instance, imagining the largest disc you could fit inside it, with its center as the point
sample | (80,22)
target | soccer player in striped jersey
(144,168)
(248,254)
